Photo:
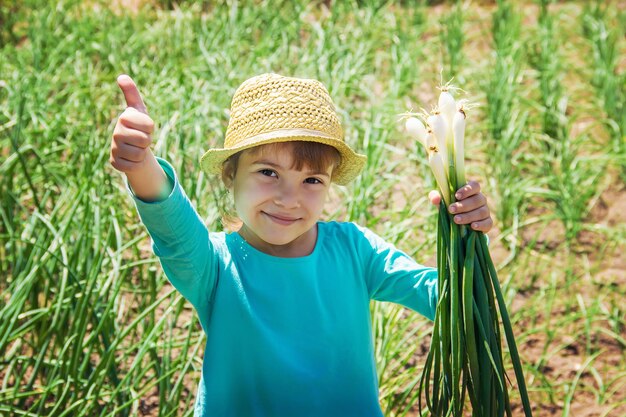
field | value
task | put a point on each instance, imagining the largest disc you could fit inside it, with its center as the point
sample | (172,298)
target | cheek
(250,192)
(317,200)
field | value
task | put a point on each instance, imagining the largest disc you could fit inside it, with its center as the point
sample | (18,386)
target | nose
(287,196)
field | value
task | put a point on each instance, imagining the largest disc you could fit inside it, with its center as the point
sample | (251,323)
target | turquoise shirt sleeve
(394,276)
(181,241)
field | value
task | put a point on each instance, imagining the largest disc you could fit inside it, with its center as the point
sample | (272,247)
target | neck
(303,245)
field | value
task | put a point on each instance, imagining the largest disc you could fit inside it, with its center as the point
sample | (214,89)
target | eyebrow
(272,164)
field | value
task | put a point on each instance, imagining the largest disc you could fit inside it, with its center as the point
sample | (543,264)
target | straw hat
(271,108)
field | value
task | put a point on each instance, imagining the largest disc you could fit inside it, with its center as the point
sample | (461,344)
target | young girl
(284,300)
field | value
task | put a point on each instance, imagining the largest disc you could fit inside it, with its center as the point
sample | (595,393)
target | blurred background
(90,326)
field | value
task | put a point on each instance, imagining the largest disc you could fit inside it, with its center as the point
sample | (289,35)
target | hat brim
(349,167)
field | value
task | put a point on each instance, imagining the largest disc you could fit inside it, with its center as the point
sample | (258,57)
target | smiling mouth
(280,219)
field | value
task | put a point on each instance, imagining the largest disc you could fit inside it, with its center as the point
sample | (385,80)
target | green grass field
(89,326)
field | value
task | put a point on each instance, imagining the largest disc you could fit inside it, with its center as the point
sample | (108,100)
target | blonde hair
(313,155)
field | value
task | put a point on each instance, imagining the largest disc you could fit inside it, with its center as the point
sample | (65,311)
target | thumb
(434,197)
(131,93)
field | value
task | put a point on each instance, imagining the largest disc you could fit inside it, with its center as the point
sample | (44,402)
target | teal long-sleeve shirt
(285,336)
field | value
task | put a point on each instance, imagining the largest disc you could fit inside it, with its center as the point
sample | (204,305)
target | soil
(563,359)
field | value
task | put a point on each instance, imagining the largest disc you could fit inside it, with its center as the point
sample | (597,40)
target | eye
(268,172)
(313,181)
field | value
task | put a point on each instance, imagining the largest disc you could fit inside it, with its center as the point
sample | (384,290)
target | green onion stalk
(465,359)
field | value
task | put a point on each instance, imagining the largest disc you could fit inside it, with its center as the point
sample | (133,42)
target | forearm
(149,183)
(179,238)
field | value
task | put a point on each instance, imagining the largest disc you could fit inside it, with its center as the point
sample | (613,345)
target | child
(284,301)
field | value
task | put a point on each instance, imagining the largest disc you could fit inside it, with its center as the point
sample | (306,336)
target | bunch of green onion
(465,356)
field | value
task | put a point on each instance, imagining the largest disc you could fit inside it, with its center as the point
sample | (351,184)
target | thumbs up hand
(130,147)
(131,137)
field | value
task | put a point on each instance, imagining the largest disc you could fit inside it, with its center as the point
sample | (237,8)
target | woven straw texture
(271,108)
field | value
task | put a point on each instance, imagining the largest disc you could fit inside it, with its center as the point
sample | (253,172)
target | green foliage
(452,36)
(575,178)
(610,84)
(507,120)
(89,324)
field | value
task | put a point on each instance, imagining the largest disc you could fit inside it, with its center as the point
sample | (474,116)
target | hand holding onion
(443,137)
(470,208)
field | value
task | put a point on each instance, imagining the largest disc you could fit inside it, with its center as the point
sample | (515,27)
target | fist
(470,207)
(131,137)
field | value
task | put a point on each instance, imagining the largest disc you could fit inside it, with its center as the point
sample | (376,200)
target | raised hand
(130,147)
(470,207)
(131,137)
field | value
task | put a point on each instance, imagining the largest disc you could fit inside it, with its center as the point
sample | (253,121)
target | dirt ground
(565,365)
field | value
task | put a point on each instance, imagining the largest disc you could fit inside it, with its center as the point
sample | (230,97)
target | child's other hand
(470,207)
(130,147)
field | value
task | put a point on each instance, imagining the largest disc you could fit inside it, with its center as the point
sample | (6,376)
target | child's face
(279,205)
